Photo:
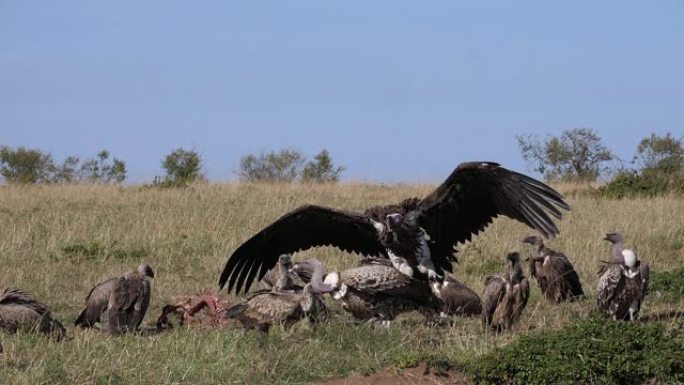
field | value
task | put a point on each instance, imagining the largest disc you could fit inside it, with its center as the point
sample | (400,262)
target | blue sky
(395,90)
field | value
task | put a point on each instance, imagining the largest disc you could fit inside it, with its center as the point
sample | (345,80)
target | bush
(102,170)
(23,165)
(630,183)
(321,169)
(670,283)
(596,350)
(288,166)
(182,168)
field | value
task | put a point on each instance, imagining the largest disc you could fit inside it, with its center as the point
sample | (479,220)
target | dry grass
(57,241)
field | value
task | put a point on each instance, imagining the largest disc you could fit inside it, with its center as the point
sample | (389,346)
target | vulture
(121,302)
(456,298)
(417,235)
(375,291)
(20,311)
(505,296)
(554,272)
(281,277)
(622,282)
(264,309)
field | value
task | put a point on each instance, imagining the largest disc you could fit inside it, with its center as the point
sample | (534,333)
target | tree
(283,166)
(102,170)
(24,165)
(660,154)
(182,167)
(578,154)
(321,169)
(67,172)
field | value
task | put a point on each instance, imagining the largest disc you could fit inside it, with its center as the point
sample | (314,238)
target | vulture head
(146,270)
(533,240)
(515,272)
(285,260)
(613,238)
(394,221)
(317,269)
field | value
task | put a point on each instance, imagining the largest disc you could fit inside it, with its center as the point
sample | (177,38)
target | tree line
(181,167)
(579,155)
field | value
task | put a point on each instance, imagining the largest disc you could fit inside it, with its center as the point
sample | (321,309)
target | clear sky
(395,90)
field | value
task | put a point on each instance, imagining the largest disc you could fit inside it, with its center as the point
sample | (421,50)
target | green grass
(58,241)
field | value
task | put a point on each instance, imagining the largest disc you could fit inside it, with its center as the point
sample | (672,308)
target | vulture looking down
(375,291)
(456,298)
(18,310)
(418,235)
(264,309)
(281,277)
(121,302)
(554,272)
(505,296)
(622,283)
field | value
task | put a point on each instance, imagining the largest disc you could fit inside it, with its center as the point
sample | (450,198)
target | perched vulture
(505,296)
(121,302)
(456,298)
(622,282)
(375,291)
(281,277)
(264,309)
(418,235)
(19,311)
(554,272)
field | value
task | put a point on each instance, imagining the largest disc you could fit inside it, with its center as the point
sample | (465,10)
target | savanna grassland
(58,241)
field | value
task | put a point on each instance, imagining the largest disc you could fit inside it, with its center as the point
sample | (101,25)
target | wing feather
(305,227)
(477,192)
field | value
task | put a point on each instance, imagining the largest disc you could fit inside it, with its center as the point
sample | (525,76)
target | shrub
(596,350)
(182,168)
(630,183)
(321,169)
(282,166)
(23,165)
(102,170)
(670,283)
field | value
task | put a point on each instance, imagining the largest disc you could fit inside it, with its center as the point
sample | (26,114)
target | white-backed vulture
(128,297)
(622,282)
(263,310)
(418,235)
(554,272)
(505,296)
(20,311)
(376,291)
(281,277)
(456,298)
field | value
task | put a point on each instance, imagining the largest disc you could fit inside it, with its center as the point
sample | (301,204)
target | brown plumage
(418,235)
(20,311)
(129,300)
(456,298)
(265,309)
(554,272)
(281,277)
(505,296)
(376,291)
(127,296)
(622,283)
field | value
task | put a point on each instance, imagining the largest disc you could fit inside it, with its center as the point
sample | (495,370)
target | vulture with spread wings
(418,235)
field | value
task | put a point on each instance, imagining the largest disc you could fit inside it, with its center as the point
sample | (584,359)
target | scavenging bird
(418,235)
(623,282)
(267,308)
(376,292)
(282,277)
(18,310)
(505,296)
(554,272)
(120,301)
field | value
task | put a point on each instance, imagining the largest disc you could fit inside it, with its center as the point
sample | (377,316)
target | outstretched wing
(303,228)
(477,192)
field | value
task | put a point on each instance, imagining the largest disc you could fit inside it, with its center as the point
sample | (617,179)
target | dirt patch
(419,375)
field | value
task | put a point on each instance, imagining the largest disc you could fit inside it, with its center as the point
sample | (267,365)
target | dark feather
(303,228)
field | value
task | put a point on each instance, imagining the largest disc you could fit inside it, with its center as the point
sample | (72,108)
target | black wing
(477,192)
(303,228)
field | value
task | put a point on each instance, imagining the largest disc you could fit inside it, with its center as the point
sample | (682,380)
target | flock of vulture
(407,251)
